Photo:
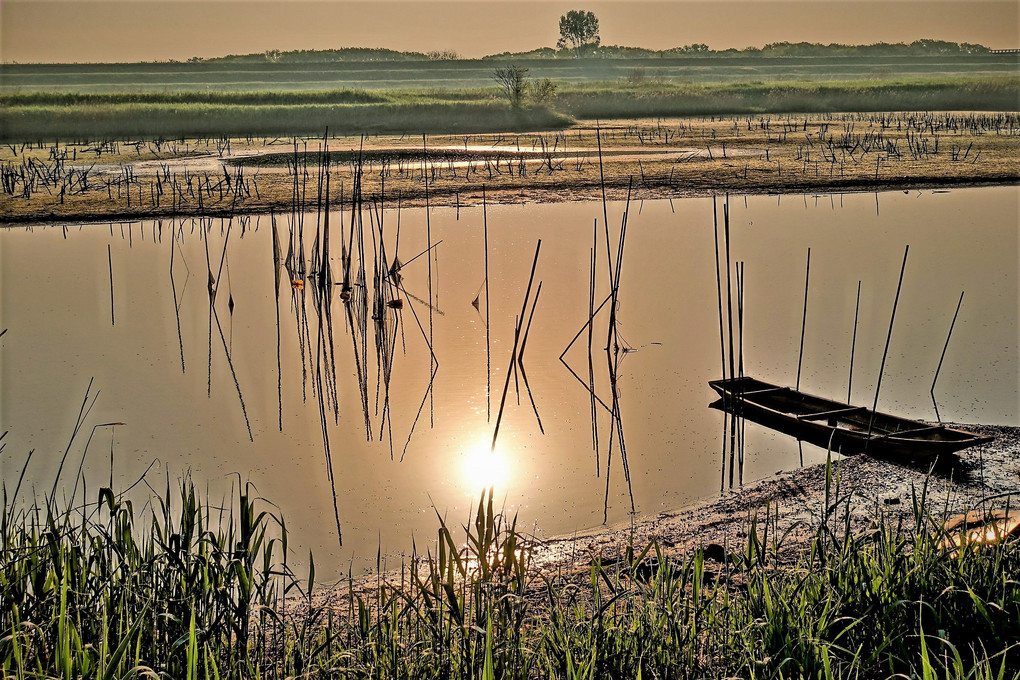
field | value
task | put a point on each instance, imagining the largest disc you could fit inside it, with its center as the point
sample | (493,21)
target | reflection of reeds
(488,346)
(615,346)
(210,286)
(233,374)
(613,355)
(277,266)
(513,352)
(520,358)
(591,362)
(434,362)
(322,393)
(83,413)
(428,240)
(173,288)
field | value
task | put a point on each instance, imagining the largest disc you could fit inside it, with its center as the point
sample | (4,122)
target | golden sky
(152,30)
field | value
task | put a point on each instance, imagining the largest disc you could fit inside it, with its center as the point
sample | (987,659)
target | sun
(481,467)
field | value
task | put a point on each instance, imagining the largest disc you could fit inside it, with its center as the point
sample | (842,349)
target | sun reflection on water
(482,468)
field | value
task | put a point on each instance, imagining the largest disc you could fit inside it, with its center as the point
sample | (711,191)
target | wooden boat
(836,426)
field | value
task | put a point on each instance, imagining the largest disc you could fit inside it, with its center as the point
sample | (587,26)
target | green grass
(179,98)
(322,73)
(170,120)
(644,99)
(186,590)
(32,116)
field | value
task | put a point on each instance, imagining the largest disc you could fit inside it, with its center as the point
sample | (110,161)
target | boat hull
(836,426)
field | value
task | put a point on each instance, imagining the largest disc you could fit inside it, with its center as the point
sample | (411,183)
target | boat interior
(809,408)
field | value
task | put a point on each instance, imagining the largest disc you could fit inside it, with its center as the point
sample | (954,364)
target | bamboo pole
(942,358)
(885,353)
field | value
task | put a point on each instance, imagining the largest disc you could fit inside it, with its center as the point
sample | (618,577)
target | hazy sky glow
(154,30)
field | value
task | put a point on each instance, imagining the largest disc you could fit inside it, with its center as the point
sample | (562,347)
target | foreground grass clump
(101,592)
(98,592)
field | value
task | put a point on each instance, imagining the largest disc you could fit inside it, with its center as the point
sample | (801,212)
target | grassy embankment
(47,116)
(194,114)
(642,100)
(108,590)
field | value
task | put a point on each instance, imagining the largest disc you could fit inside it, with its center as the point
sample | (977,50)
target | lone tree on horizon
(578,28)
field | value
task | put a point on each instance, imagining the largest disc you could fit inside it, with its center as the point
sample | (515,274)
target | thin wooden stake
(109,257)
(718,285)
(803,324)
(942,358)
(881,370)
(853,344)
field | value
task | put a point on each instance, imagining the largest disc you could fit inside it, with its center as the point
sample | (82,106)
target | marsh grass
(51,115)
(183,589)
(158,117)
(627,99)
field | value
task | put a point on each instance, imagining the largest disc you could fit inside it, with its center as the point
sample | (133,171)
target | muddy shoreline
(983,476)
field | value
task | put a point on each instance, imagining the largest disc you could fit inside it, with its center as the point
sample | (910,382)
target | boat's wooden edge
(724,404)
(835,412)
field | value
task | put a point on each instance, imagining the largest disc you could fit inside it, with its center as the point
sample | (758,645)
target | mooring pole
(885,353)
(109,258)
(729,284)
(853,345)
(803,323)
(942,358)
(718,286)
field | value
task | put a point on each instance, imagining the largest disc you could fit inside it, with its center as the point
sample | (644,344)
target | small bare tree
(513,80)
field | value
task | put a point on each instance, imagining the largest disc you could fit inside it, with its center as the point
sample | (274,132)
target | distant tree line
(335,55)
(923,47)
(585,44)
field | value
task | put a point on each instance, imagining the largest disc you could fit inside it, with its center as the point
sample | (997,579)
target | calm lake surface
(189,380)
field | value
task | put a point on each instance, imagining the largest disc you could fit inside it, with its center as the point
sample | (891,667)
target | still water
(190,380)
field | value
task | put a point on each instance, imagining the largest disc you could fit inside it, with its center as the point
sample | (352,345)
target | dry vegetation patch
(654,157)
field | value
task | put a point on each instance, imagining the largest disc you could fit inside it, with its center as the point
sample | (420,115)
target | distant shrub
(543,91)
